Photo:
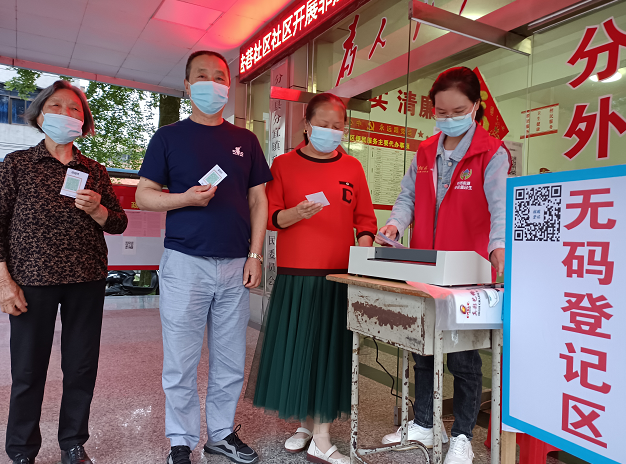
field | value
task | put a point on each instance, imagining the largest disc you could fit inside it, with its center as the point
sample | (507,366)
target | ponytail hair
(465,81)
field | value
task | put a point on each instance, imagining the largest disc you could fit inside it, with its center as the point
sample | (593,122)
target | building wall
(17,137)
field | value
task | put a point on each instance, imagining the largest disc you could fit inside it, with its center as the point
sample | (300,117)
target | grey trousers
(199,293)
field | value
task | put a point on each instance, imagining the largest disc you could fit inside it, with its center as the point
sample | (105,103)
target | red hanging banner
(492,120)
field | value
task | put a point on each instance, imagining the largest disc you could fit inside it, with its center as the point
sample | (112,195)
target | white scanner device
(444,268)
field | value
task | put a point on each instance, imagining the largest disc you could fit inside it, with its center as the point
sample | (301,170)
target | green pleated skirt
(304,354)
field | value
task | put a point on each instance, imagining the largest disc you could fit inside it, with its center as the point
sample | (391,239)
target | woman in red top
(304,371)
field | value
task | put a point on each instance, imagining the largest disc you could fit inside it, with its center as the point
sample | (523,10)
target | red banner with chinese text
(293,26)
(383,140)
(381,127)
(126,196)
(492,120)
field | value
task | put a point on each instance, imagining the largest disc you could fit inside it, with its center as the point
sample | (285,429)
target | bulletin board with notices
(385,152)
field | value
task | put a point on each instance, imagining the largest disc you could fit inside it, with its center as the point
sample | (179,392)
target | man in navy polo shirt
(213,244)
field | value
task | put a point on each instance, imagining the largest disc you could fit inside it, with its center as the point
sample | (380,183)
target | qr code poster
(537,214)
(564,318)
(129,245)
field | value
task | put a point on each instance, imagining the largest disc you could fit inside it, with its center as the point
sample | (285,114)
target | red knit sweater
(320,245)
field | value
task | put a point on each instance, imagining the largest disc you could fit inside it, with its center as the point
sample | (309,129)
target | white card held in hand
(318,197)
(213,177)
(389,242)
(74,181)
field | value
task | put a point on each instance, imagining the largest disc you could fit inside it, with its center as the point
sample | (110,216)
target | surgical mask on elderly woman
(455,126)
(325,140)
(60,128)
(210,97)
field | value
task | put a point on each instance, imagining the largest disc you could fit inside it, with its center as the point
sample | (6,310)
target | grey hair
(35,108)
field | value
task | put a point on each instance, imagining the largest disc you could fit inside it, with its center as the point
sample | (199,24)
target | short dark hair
(322,98)
(208,53)
(465,81)
(318,100)
(36,107)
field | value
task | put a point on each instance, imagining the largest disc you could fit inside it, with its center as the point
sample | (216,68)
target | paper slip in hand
(213,177)
(318,197)
(388,241)
(74,180)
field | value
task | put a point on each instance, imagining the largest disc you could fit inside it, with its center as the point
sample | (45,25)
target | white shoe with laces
(460,451)
(416,433)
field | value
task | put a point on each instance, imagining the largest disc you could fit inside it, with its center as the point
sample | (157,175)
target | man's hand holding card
(201,195)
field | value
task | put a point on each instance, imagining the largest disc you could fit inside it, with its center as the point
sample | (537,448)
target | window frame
(11,96)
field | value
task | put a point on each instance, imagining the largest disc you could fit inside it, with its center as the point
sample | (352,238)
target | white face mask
(60,128)
(209,96)
(457,125)
(324,139)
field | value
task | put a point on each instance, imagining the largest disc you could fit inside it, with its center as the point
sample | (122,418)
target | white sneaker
(296,445)
(416,433)
(460,451)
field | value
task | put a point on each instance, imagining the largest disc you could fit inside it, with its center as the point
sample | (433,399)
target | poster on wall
(565,269)
(140,247)
(541,121)
(517,152)
(385,152)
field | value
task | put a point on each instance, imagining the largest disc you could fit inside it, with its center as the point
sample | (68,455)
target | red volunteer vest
(464,221)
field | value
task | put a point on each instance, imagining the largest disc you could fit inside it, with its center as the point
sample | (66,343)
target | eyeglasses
(454,118)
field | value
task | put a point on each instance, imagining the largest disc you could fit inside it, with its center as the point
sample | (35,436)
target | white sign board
(278,115)
(141,244)
(564,322)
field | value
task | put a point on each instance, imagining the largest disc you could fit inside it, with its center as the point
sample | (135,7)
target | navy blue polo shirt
(178,156)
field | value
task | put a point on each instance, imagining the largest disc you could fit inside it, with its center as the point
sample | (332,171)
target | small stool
(531,450)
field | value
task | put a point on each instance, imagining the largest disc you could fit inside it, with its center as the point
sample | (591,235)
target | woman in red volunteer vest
(454,192)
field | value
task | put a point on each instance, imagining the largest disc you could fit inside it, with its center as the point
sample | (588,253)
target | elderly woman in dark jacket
(53,252)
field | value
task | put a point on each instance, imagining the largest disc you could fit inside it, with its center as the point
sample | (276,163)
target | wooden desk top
(378,284)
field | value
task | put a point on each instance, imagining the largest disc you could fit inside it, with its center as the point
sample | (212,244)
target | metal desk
(402,316)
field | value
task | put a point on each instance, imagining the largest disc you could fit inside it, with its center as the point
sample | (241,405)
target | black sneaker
(179,455)
(21,459)
(233,448)
(75,455)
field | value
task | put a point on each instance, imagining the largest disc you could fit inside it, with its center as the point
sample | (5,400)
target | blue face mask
(325,140)
(62,129)
(453,127)
(210,97)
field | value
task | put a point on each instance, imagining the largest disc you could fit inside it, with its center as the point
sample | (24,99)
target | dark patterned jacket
(44,238)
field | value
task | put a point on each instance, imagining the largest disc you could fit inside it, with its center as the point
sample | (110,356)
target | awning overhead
(134,43)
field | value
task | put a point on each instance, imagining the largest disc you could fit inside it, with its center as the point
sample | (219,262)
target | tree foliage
(169,109)
(123,120)
(24,82)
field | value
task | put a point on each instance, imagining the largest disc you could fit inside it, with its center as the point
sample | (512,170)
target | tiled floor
(127,423)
